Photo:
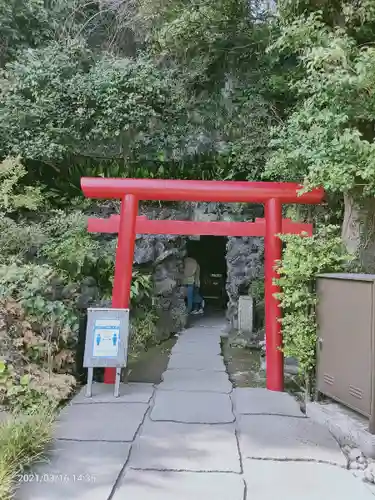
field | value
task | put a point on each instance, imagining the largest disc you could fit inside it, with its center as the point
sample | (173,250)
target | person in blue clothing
(195,302)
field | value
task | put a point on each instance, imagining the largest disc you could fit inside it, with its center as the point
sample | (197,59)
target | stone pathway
(191,437)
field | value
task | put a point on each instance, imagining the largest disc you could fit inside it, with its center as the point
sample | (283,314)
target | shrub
(30,361)
(142,333)
(304,258)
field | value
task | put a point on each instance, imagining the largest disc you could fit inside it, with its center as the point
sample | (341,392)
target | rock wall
(244,265)
(164,256)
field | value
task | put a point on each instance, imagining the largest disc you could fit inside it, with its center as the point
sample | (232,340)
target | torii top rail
(272,194)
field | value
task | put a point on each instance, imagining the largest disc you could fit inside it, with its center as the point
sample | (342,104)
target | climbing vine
(304,258)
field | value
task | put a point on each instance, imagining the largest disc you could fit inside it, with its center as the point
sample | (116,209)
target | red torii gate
(128,224)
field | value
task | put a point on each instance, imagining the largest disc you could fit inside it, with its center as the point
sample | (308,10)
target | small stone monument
(245,314)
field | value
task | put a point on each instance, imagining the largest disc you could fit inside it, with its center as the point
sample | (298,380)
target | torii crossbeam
(128,224)
(191,228)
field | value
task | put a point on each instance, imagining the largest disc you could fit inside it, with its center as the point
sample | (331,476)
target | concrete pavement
(191,437)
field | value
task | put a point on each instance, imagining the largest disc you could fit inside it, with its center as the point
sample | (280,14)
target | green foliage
(12,196)
(328,139)
(219,50)
(141,286)
(304,258)
(143,330)
(28,297)
(70,247)
(17,393)
(70,104)
(256,290)
(193,98)
(32,286)
(24,23)
(38,355)
(22,440)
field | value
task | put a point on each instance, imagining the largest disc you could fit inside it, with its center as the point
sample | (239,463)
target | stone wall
(165,255)
(244,265)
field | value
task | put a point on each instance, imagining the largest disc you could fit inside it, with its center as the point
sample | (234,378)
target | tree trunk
(358,230)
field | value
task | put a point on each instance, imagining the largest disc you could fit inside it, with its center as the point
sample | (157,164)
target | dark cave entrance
(210,253)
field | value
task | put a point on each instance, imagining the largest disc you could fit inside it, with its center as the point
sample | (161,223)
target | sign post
(106,344)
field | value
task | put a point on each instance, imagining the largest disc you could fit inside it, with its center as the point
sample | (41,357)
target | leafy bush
(141,286)
(27,393)
(37,325)
(256,289)
(74,251)
(142,333)
(34,288)
(70,104)
(304,258)
(33,365)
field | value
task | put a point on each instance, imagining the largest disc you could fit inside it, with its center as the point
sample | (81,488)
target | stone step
(197,361)
(267,480)
(185,447)
(158,485)
(195,380)
(257,401)
(273,437)
(192,407)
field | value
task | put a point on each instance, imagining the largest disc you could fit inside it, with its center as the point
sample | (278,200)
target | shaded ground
(149,366)
(246,368)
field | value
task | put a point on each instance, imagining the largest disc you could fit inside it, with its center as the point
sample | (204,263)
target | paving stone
(275,437)
(208,322)
(195,380)
(200,361)
(185,447)
(75,471)
(155,485)
(192,407)
(197,339)
(249,401)
(207,348)
(200,333)
(204,345)
(267,480)
(200,337)
(100,422)
(103,393)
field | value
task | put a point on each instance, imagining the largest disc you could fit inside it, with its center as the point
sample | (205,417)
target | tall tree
(328,139)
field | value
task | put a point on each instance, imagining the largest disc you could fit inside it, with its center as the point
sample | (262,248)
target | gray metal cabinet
(346,341)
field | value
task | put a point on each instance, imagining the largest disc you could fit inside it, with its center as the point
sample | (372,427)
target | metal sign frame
(106,343)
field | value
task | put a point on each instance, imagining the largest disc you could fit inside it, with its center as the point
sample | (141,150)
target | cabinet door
(344,316)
